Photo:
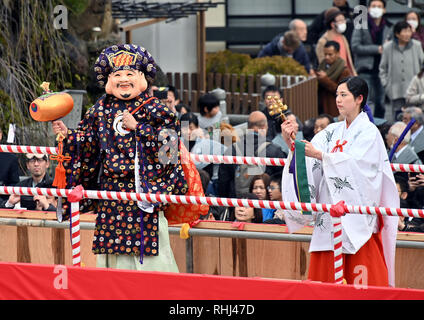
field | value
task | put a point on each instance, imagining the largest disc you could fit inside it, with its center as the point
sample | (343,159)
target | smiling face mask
(126,84)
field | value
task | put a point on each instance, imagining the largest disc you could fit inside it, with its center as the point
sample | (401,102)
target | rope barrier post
(338,256)
(336,212)
(74,198)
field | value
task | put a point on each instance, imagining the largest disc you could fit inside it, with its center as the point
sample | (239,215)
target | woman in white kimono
(348,161)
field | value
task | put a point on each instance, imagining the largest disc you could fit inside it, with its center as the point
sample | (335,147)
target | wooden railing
(243,93)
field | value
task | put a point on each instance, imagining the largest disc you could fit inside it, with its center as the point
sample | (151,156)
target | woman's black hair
(191,118)
(382,1)
(265,179)
(208,101)
(358,87)
(399,26)
(258,218)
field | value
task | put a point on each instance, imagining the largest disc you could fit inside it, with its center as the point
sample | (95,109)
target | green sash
(301,176)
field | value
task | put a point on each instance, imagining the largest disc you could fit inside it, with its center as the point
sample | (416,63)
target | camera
(161,93)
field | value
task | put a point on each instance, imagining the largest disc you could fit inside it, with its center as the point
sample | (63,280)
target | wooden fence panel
(194,82)
(226,82)
(177,81)
(236,103)
(185,98)
(245,104)
(170,77)
(258,84)
(250,84)
(242,84)
(234,84)
(244,92)
(194,98)
(218,81)
(186,82)
(229,102)
(209,80)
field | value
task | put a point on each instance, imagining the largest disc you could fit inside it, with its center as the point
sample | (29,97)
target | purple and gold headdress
(124,57)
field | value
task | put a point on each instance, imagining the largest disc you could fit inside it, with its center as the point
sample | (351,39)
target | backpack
(245,172)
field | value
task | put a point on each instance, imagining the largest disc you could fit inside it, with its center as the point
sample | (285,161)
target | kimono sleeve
(158,142)
(82,146)
(296,219)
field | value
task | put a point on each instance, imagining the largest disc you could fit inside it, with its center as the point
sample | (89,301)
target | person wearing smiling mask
(414,20)
(127,141)
(367,47)
(336,26)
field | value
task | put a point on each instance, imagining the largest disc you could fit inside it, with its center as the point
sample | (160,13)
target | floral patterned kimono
(355,168)
(104,158)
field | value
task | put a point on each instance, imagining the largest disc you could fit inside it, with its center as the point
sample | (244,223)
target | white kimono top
(357,171)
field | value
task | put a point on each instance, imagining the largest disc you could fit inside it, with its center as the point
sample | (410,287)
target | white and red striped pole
(75,234)
(74,198)
(338,254)
(336,212)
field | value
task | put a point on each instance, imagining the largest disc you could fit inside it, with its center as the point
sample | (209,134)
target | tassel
(59,177)
(60,172)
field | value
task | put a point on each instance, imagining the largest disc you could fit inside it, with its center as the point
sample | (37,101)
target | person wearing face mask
(336,26)
(414,20)
(367,47)
(318,25)
(401,60)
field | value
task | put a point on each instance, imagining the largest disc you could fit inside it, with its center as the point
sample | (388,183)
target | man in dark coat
(330,71)
(287,45)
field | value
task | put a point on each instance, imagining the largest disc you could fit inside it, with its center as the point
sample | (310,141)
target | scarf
(333,72)
(374,29)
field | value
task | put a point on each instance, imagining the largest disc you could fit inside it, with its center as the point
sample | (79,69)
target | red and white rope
(217,159)
(213,201)
(27,149)
(208,158)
